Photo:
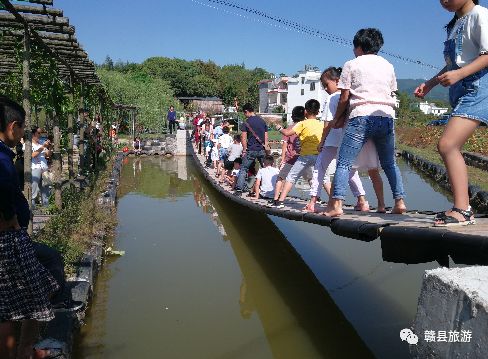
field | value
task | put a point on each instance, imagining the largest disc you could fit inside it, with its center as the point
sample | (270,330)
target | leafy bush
(72,230)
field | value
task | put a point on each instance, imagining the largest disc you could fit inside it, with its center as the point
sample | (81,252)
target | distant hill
(437,93)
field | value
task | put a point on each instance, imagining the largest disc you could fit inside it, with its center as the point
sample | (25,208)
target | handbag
(267,148)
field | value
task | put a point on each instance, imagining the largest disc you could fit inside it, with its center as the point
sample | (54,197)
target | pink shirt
(292,148)
(371,80)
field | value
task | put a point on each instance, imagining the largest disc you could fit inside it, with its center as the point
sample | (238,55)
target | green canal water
(205,278)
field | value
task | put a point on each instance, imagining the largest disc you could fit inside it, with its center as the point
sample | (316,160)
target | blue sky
(135,30)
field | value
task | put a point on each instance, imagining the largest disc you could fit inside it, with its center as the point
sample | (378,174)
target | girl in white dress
(368,160)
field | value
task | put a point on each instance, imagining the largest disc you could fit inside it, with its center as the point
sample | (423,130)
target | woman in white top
(39,165)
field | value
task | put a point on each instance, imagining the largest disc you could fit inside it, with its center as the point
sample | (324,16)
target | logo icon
(409,336)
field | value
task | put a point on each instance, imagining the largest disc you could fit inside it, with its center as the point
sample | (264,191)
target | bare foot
(362,207)
(310,207)
(398,210)
(381,208)
(399,207)
(334,208)
(332,212)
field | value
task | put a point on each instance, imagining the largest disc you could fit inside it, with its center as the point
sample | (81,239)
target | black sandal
(444,220)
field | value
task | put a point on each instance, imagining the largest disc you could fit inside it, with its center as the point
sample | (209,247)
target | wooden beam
(58,29)
(40,10)
(42,2)
(44,35)
(11,39)
(66,53)
(36,19)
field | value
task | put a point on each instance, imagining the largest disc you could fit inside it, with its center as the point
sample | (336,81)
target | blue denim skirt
(469,97)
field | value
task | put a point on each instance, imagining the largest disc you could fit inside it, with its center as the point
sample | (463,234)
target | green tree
(152,96)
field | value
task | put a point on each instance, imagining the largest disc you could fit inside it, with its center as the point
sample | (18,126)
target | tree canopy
(181,78)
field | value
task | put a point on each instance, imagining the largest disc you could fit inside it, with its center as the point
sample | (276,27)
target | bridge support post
(183,143)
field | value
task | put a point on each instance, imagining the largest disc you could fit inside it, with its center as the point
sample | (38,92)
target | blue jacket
(13,200)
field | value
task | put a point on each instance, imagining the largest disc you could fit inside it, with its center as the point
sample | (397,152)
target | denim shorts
(223,154)
(469,97)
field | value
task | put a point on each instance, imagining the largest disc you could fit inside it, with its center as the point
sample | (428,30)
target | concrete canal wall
(452,314)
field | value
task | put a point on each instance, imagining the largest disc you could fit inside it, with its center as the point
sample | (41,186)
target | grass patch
(72,230)
(274,135)
(476,176)
(426,137)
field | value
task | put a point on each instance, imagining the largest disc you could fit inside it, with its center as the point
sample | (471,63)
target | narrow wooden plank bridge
(405,238)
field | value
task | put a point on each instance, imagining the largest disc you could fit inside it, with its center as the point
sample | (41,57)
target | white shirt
(328,112)
(225,140)
(475,35)
(235,151)
(40,160)
(268,176)
(371,81)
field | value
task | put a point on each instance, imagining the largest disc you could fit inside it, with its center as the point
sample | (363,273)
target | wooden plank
(411,219)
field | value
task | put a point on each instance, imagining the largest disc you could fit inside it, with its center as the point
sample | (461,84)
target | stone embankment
(58,335)
(478,197)
(166,145)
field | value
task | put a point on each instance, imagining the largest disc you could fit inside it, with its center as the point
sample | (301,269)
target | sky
(199,29)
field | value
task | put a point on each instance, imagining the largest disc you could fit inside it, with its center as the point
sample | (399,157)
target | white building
(430,108)
(272,94)
(303,87)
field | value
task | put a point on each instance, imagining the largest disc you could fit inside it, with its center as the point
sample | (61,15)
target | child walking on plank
(466,55)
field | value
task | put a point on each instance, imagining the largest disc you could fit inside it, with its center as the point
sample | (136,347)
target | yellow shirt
(310,133)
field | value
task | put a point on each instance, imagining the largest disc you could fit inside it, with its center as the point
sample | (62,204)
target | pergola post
(81,134)
(71,140)
(57,166)
(28,133)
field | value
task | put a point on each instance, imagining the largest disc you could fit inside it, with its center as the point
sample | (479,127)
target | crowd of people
(354,128)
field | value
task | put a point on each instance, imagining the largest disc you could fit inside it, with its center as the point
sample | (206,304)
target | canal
(205,278)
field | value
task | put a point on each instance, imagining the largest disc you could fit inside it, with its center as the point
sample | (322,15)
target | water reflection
(203,278)
(155,177)
(299,317)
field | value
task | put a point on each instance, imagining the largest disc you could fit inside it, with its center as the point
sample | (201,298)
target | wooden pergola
(46,26)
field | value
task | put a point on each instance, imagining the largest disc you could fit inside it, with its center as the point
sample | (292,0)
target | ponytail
(451,23)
